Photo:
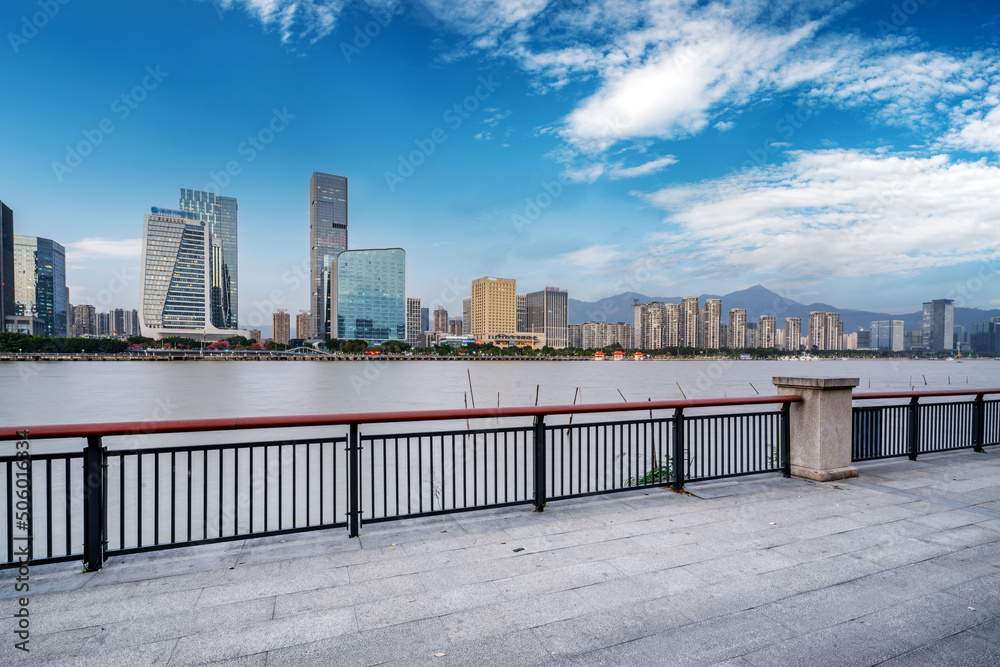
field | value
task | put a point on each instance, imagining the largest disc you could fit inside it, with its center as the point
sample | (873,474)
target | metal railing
(102,502)
(914,428)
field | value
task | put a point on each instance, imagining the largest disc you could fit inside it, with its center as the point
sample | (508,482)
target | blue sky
(843,152)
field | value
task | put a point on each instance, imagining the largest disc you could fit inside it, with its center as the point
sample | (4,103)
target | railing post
(678,481)
(540,463)
(786,439)
(94,505)
(914,428)
(353,483)
(978,423)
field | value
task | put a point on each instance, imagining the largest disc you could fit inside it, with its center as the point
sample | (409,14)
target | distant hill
(758,300)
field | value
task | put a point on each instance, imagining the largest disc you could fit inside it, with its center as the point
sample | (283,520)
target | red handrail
(919,394)
(236,423)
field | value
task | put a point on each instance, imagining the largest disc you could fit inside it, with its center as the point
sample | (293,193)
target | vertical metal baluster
(138,504)
(539,462)
(48,507)
(173,497)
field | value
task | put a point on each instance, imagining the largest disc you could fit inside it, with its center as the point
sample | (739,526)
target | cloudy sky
(834,151)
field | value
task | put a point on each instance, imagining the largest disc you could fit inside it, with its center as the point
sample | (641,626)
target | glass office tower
(368,294)
(175,290)
(221,215)
(6,264)
(547,312)
(40,282)
(327,239)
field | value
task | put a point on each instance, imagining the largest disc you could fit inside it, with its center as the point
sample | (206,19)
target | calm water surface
(74,392)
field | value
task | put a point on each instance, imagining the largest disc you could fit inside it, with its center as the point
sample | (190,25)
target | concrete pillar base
(824,475)
(820,426)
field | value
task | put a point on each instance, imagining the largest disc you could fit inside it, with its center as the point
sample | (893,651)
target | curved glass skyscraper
(221,215)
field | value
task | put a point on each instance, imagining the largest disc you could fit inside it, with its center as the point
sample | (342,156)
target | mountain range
(758,300)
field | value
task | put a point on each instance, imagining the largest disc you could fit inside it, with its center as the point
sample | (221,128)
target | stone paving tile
(263,636)
(45,647)
(163,627)
(963,649)
(850,573)
(594,631)
(426,604)
(716,640)
(349,595)
(368,647)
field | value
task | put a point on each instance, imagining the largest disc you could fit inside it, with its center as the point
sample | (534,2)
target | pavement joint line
(943,502)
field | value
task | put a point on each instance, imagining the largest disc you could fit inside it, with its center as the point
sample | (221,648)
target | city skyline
(826,175)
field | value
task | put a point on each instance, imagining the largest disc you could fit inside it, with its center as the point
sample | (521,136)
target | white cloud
(301,20)
(643,169)
(724,125)
(595,258)
(979,132)
(100,248)
(835,213)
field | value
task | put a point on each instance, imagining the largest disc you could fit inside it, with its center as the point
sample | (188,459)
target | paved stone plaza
(900,566)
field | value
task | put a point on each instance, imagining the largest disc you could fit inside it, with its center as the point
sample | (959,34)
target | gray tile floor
(898,567)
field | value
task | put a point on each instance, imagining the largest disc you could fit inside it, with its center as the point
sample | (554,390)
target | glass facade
(369,294)
(221,215)
(327,239)
(6,263)
(175,257)
(547,314)
(40,282)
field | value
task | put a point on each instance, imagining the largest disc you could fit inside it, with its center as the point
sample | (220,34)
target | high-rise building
(327,239)
(766,331)
(690,316)
(174,284)
(547,315)
(303,325)
(752,342)
(455,326)
(84,321)
(494,307)
(574,335)
(6,265)
(413,330)
(939,327)
(40,282)
(368,294)
(817,328)
(826,331)
(440,319)
(105,326)
(793,334)
(598,335)
(467,316)
(522,312)
(712,319)
(221,215)
(425,320)
(886,335)
(737,329)
(282,327)
(833,331)
(255,335)
(985,336)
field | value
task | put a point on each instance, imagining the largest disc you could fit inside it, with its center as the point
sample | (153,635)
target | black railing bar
(44,561)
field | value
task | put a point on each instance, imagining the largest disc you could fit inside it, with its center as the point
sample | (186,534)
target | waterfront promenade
(900,566)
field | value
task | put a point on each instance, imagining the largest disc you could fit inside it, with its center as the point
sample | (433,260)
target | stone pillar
(821,426)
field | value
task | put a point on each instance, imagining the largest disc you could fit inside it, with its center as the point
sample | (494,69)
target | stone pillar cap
(816,383)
